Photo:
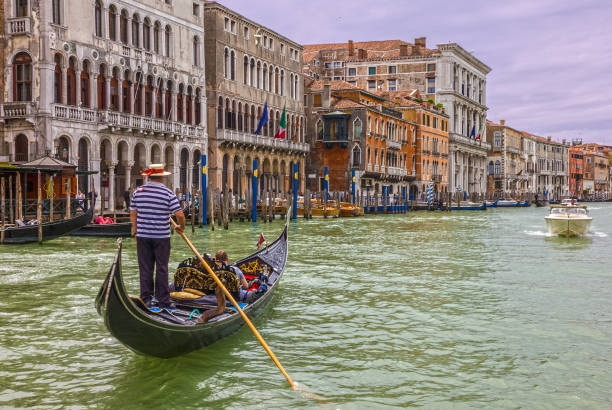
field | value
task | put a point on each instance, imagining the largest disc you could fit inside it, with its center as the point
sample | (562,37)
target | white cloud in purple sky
(551,59)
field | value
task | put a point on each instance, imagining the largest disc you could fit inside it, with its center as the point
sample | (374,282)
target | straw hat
(156,170)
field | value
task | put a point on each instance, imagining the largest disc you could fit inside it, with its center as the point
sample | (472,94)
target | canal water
(432,309)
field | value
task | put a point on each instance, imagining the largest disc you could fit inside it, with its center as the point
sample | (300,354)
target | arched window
(226,63)
(114,91)
(85,84)
(282,82)
(167,41)
(198,114)
(22,77)
(291,85)
(56,16)
(264,79)
(135,31)
(259,75)
(497,168)
(357,129)
(146,34)
(63,149)
(252,73)
(158,99)
(188,115)
(276,84)
(98,18)
(319,130)
(196,51)
(179,103)
(71,81)
(156,33)
(112,23)
(126,88)
(21,148)
(233,65)
(149,97)
(246,118)
(245,70)
(168,100)
(220,113)
(57,77)
(490,167)
(123,26)
(101,86)
(239,124)
(252,119)
(21,8)
(270,79)
(228,115)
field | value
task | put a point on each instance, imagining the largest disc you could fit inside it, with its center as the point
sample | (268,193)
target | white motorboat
(568,220)
(506,202)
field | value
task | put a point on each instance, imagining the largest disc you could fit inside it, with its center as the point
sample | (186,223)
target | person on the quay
(150,210)
(222,262)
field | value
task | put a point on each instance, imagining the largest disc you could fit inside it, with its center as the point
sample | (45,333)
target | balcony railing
(17,109)
(19,25)
(396,171)
(394,145)
(124,120)
(260,141)
(456,138)
(436,178)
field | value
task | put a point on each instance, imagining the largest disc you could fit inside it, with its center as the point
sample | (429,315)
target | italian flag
(282,125)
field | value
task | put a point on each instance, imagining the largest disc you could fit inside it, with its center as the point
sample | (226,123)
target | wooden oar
(238,308)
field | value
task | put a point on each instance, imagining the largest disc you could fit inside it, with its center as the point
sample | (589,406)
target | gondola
(117,230)
(168,333)
(540,203)
(50,230)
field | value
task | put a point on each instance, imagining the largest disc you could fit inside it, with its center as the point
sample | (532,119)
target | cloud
(551,59)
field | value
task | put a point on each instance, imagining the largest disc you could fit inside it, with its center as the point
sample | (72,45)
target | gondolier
(150,210)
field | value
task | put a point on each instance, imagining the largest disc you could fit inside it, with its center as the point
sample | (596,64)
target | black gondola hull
(147,335)
(121,230)
(50,230)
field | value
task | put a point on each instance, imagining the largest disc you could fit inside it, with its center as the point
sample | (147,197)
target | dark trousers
(154,252)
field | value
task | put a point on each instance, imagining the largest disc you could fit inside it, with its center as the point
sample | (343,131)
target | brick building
(449,75)
(108,85)
(349,128)
(590,170)
(248,65)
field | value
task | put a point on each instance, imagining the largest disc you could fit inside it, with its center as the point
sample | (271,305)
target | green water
(440,310)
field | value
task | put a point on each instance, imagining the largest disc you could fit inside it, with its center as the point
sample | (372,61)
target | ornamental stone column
(64,86)
(119,95)
(107,91)
(111,185)
(77,81)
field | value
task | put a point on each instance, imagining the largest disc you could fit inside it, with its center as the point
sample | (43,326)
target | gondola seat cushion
(190,277)
(184,296)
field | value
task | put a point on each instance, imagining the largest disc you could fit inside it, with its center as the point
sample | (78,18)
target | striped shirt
(154,204)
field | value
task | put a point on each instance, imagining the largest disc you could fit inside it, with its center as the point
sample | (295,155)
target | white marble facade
(110,86)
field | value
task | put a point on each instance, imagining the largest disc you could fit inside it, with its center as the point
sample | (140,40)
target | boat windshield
(576,211)
(556,211)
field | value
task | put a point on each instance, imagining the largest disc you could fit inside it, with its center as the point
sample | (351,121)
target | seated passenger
(222,262)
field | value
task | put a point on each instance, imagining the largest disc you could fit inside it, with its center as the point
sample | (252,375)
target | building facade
(353,129)
(449,75)
(249,66)
(553,168)
(508,173)
(590,170)
(110,86)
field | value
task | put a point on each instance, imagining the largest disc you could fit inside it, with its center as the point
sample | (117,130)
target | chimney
(549,138)
(403,50)
(502,122)
(326,95)
(351,48)
(420,44)
(362,54)
(563,141)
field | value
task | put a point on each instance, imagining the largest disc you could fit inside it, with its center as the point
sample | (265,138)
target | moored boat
(470,206)
(504,203)
(491,204)
(568,220)
(122,229)
(50,230)
(173,332)
(541,202)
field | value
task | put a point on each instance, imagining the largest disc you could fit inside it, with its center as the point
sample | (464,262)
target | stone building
(247,66)
(553,167)
(352,129)
(110,85)
(429,146)
(590,170)
(507,162)
(448,75)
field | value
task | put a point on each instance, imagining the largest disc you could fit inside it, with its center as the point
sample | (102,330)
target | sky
(551,60)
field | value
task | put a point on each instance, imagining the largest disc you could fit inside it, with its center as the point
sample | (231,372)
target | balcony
(436,178)
(13,110)
(125,121)
(513,150)
(397,171)
(19,25)
(394,145)
(239,137)
(460,139)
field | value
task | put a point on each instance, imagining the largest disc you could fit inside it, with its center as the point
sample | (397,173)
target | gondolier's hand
(180,229)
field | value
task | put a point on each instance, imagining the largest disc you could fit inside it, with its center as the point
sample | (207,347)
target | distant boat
(491,204)
(122,229)
(470,206)
(504,203)
(541,202)
(568,220)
